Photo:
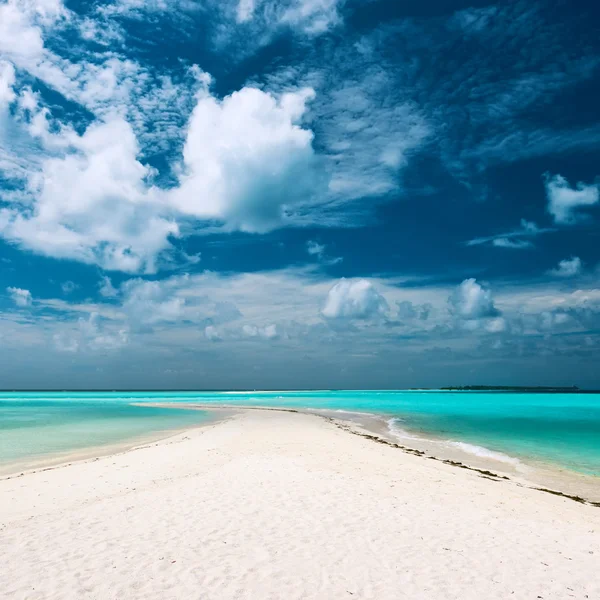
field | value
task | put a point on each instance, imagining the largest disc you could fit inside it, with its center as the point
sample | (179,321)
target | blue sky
(299,193)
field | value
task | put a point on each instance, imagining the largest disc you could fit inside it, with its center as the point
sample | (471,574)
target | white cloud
(548,296)
(512,244)
(314,248)
(21,25)
(250,330)
(367,126)
(247,165)
(137,8)
(188,310)
(68,287)
(496,325)
(512,239)
(569,267)
(95,337)
(319,252)
(312,16)
(354,299)
(105,31)
(247,161)
(154,104)
(245,10)
(20,296)
(151,302)
(281,304)
(266,301)
(369,133)
(91,334)
(106,84)
(9,164)
(471,301)
(107,289)
(7,80)
(211,333)
(564,201)
(549,320)
(267,332)
(93,204)
(158,318)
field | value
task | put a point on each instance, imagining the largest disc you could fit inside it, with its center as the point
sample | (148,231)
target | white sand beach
(274,505)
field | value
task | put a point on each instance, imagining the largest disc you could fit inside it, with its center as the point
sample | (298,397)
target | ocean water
(35,429)
(563,429)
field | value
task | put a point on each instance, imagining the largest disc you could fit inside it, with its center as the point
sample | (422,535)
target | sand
(278,505)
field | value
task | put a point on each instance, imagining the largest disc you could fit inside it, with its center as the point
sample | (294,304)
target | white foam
(346,412)
(474,450)
(397,431)
(485,453)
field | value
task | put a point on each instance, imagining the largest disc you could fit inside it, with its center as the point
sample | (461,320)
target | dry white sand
(283,506)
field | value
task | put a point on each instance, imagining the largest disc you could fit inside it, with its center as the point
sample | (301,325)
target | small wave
(347,412)
(485,453)
(399,432)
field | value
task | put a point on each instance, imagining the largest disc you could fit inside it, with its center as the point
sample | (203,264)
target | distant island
(513,388)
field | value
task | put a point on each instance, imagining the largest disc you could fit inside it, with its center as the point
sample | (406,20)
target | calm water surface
(37,428)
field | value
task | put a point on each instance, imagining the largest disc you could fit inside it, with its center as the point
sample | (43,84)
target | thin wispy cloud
(517,239)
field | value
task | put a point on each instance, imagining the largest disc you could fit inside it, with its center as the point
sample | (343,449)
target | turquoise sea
(563,429)
(35,428)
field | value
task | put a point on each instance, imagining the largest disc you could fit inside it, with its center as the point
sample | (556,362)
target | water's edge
(377,427)
(56,460)
(541,476)
(520,435)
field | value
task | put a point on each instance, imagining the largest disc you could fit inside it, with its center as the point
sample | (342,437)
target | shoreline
(544,477)
(548,478)
(12,470)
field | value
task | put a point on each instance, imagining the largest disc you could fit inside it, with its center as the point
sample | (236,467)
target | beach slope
(275,505)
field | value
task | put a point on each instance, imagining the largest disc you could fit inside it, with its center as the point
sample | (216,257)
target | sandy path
(279,505)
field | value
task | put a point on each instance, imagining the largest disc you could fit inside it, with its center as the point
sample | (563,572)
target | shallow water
(32,429)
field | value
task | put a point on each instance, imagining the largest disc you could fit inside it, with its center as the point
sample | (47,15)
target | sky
(299,194)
